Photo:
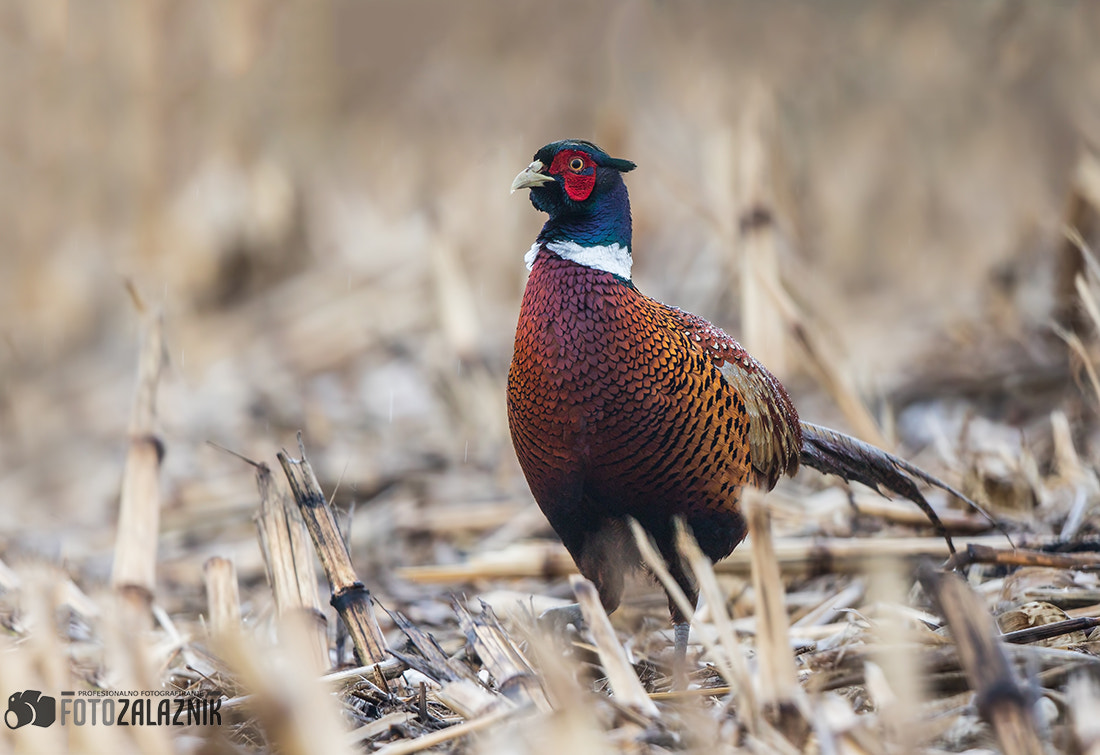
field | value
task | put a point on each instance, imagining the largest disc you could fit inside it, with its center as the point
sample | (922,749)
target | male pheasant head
(581,188)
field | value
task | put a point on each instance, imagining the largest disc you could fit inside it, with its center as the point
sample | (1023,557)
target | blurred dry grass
(315,193)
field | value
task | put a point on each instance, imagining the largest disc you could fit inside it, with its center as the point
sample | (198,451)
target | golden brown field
(225,223)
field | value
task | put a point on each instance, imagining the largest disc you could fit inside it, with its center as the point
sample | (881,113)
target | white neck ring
(614,258)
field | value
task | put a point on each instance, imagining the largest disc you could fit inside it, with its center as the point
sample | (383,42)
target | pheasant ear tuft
(623,166)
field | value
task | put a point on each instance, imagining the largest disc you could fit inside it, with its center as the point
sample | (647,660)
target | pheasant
(620,406)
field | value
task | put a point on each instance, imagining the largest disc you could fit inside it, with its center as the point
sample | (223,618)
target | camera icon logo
(30,707)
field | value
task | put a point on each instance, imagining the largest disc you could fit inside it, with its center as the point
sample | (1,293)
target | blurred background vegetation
(316,195)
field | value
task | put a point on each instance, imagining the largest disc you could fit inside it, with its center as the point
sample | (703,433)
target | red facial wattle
(579,178)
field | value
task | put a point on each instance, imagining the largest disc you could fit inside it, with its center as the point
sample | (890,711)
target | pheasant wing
(775,435)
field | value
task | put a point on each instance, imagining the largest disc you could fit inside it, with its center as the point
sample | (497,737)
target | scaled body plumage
(618,408)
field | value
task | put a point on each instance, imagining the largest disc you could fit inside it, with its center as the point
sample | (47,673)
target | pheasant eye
(576,164)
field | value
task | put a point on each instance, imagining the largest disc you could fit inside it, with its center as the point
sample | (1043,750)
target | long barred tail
(831,452)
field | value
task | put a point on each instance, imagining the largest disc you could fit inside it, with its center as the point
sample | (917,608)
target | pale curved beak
(530,177)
